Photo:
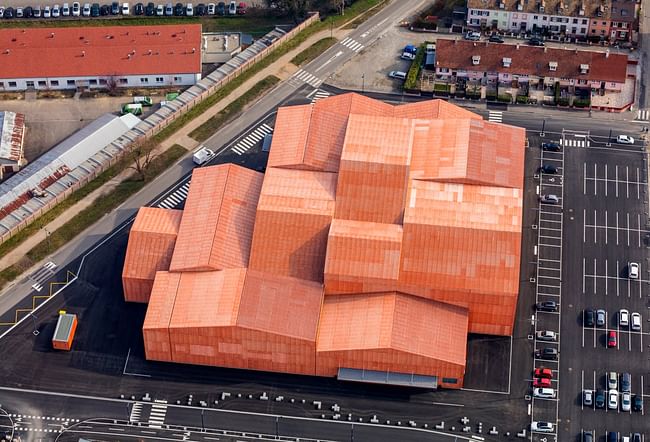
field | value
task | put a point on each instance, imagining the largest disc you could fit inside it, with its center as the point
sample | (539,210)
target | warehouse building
(99,57)
(379,237)
(12,140)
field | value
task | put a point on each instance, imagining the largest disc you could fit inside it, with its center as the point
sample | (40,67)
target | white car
(612,400)
(397,74)
(542,427)
(76,9)
(636,321)
(125,9)
(549,199)
(86,10)
(588,398)
(623,318)
(547,335)
(46,12)
(626,401)
(546,393)
(189,10)
(407,56)
(160,10)
(624,139)
(65,10)
(633,270)
(212,8)
(56,11)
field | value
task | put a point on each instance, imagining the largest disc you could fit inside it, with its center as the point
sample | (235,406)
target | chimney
(83,53)
(517,46)
(607,53)
(545,49)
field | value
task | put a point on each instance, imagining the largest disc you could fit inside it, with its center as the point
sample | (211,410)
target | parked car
(55,11)
(600,399)
(179,9)
(637,403)
(541,382)
(542,427)
(115,8)
(232,8)
(636,437)
(636,321)
(588,317)
(633,270)
(28,12)
(37,12)
(611,339)
(397,74)
(472,36)
(76,9)
(138,9)
(19,12)
(546,393)
(2,11)
(623,318)
(612,380)
(626,401)
(47,13)
(536,41)
(612,400)
(547,335)
(212,8)
(626,382)
(587,436)
(105,10)
(543,372)
(86,10)
(200,9)
(612,436)
(601,317)
(65,10)
(624,139)
(241,8)
(189,10)
(588,398)
(548,168)
(548,353)
(547,306)
(552,146)
(549,199)
(150,9)
(125,10)
(221,8)
(9,13)
(169,9)
(95,10)
(496,38)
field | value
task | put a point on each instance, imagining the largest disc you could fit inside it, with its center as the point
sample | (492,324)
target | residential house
(540,73)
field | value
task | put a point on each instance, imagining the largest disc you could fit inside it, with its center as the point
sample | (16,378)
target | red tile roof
(530,60)
(101,51)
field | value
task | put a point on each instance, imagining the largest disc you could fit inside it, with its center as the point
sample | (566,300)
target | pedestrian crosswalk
(157,414)
(175,198)
(575,142)
(643,115)
(136,411)
(41,275)
(352,44)
(308,78)
(495,116)
(319,95)
(252,139)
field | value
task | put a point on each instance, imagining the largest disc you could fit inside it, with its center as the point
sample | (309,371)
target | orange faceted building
(379,237)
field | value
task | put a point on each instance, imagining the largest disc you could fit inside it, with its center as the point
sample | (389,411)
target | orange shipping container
(64,332)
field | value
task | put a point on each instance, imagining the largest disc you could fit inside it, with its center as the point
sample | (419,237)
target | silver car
(588,398)
(626,401)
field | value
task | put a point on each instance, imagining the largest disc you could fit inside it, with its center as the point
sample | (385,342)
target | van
(143,100)
(397,74)
(132,108)
(202,155)
(547,393)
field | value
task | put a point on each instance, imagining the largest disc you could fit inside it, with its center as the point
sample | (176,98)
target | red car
(542,372)
(611,339)
(241,8)
(541,382)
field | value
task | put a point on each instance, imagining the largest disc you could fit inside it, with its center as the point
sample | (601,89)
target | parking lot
(586,241)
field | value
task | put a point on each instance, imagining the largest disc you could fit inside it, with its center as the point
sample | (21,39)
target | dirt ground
(49,121)
(374,62)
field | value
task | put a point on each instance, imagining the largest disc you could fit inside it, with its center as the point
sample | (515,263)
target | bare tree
(141,153)
(112,85)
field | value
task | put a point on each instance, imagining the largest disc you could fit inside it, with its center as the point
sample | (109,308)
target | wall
(99,82)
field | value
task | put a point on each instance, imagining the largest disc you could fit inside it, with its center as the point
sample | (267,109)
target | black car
(95,10)
(589,318)
(636,437)
(547,306)
(138,9)
(28,12)
(600,399)
(587,436)
(552,146)
(150,9)
(536,41)
(115,8)
(9,13)
(200,9)
(105,10)
(637,403)
(548,353)
(612,436)
(179,9)
(221,8)
(496,38)
(548,168)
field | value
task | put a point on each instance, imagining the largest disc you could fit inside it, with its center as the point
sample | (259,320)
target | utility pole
(363,82)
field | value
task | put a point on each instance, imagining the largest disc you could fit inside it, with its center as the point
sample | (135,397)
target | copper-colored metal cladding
(151,244)
(380,236)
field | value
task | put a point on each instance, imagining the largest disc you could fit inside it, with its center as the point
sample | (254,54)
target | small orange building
(66,326)
(379,237)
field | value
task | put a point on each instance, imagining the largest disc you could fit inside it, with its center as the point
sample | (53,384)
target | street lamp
(277,427)
(47,237)
(543,126)
(35,332)
(363,82)
(202,424)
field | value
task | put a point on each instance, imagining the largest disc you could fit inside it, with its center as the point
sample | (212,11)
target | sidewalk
(281,68)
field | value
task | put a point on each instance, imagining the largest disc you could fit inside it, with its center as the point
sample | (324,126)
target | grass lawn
(227,114)
(313,51)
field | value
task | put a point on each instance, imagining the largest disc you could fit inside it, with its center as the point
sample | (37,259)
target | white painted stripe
(266,127)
